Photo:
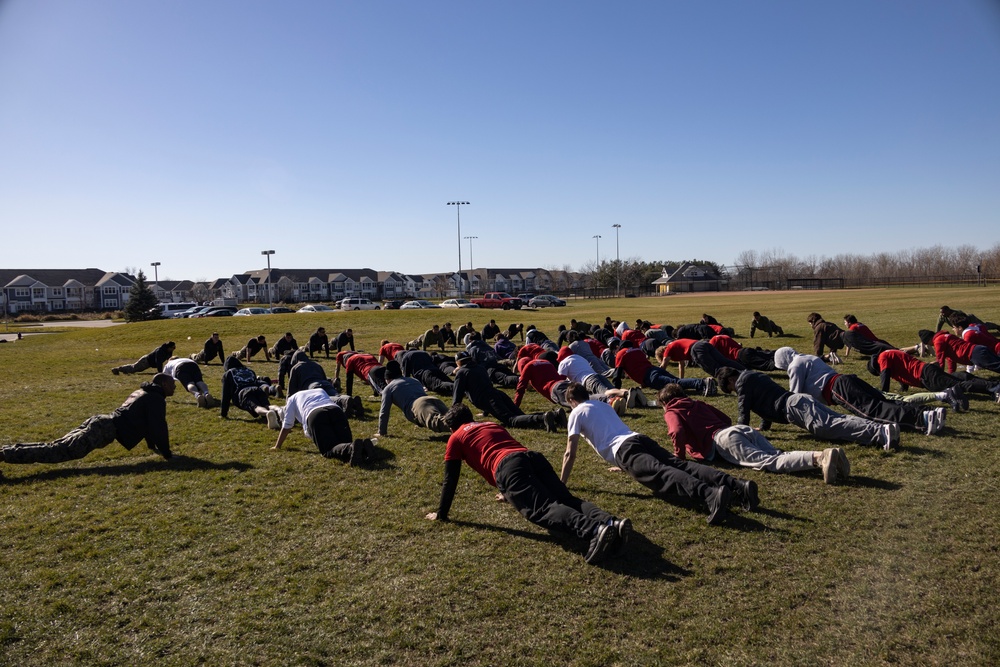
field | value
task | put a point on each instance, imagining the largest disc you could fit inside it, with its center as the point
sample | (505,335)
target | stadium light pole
(618,263)
(458,214)
(471,265)
(597,267)
(268,253)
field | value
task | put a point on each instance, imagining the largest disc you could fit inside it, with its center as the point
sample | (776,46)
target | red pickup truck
(498,300)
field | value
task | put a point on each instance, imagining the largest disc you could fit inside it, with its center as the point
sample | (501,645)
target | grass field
(233,554)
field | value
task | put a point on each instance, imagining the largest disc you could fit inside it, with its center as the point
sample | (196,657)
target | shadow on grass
(178,463)
(870,483)
(639,558)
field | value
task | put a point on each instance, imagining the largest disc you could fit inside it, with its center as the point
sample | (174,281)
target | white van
(357,304)
(169,311)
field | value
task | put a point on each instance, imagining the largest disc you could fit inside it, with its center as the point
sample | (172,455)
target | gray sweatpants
(428,411)
(138,367)
(808,413)
(743,445)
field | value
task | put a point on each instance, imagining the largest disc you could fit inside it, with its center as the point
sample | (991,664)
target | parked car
(280,310)
(315,308)
(498,300)
(394,304)
(525,297)
(458,303)
(252,311)
(171,311)
(355,303)
(217,311)
(419,303)
(545,301)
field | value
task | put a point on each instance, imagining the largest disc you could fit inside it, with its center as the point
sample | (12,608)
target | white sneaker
(843,465)
(886,433)
(273,420)
(834,358)
(828,463)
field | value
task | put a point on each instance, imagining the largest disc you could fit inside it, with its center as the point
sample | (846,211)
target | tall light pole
(458,212)
(156,276)
(270,304)
(471,265)
(618,263)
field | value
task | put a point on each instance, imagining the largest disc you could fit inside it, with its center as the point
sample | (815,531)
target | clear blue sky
(197,133)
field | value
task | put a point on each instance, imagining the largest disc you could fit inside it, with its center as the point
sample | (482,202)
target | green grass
(235,554)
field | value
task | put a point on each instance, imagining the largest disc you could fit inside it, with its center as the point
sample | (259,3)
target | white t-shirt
(575,367)
(600,425)
(170,368)
(300,404)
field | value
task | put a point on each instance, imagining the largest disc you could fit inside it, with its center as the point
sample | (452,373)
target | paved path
(11,334)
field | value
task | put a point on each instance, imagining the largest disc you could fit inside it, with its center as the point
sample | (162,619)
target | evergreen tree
(140,302)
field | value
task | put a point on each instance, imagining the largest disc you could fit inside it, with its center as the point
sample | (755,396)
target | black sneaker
(369,450)
(114,371)
(357,406)
(549,419)
(562,417)
(357,453)
(746,494)
(623,528)
(718,503)
(601,543)
(953,399)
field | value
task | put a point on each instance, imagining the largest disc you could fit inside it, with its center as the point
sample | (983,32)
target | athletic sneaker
(711,388)
(834,359)
(602,541)
(357,406)
(114,371)
(843,465)
(631,399)
(619,404)
(273,420)
(889,435)
(202,400)
(935,420)
(549,419)
(357,453)
(953,400)
(828,462)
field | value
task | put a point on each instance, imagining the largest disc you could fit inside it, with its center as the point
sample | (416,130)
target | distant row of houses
(66,290)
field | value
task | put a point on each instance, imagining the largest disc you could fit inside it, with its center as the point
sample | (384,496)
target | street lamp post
(156,275)
(268,253)
(618,263)
(471,265)
(458,213)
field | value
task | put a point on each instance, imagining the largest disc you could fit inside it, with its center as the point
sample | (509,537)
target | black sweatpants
(669,477)
(707,358)
(330,431)
(529,483)
(866,401)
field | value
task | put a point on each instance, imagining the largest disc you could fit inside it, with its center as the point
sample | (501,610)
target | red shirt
(529,351)
(596,346)
(977,335)
(635,336)
(390,350)
(729,348)
(862,329)
(634,362)
(951,350)
(358,363)
(679,350)
(540,374)
(483,445)
(691,425)
(717,328)
(902,367)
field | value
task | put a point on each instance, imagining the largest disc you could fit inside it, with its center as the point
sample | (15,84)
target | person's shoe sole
(202,402)
(718,510)
(843,465)
(357,453)
(549,420)
(828,463)
(601,544)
